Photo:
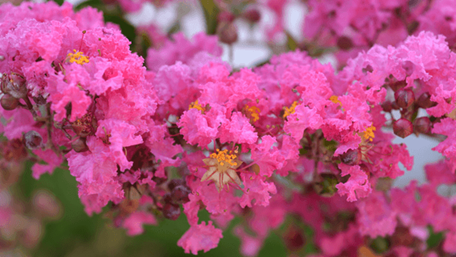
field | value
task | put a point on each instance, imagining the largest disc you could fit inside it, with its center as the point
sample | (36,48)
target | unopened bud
(227,33)
(344,43)
(398,85)
(402,128)
(79,145)
(33,140)
(422,125)
(350,157)
(32,233)
(9,103)
(180,193)
(387,106)
(174,183)
(225,17)
(294,239)
(171,211)
(46,204)
(14,85)
(252,15)
(424,101)
(404,97)
(408,67)
(159,180)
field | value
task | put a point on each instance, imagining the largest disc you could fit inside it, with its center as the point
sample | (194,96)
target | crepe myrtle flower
(222,167)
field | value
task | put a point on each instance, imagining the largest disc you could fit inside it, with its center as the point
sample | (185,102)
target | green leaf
(175,28)
(211,12)
(291,42)
(93,3)
(434,239)
(380,245)
(60,2)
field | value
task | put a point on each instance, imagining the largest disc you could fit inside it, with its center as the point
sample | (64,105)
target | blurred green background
(77,234)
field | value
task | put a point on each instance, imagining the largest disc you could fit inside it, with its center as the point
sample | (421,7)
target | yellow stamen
(224,156)
(196,105)
(369,133)
(335,100)
(77,57)
(254,112)
(290,110)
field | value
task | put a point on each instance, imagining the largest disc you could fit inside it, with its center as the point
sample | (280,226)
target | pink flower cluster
(262,144)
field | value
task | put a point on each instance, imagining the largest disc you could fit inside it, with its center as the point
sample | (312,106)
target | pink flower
(62,94)
(447,147)
(238,130)
(440,173)
(267,156)
(181,49)
(117,134)
(196,128)
(20,121)
(334,246)
(357,186)
(53,161)
(449,245)
(375,216)
(200,237)
(250,245)
(134,222)
(257,190)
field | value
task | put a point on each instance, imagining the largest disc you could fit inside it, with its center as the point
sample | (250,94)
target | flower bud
(252,15)
(46,204)
(14,85)
(424,101)
(402,128)
(227,33)
(408,67)
(398,85)
(387,106)
(294,239)
(422,125)
(402,236)
(174,183)
(167,198)
(159,180)
(171,211)
(33,140)
(180,193)
(404,97)
(9,103)
(225,17)
(79,145)
(395,106)
(344,43)
(32,233)
(350,157)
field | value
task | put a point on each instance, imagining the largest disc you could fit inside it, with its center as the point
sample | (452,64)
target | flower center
(253,112)
(369,133)
(77,57)
(222,168)
(224,157)
(335,100)
(290,110)
(196,105)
